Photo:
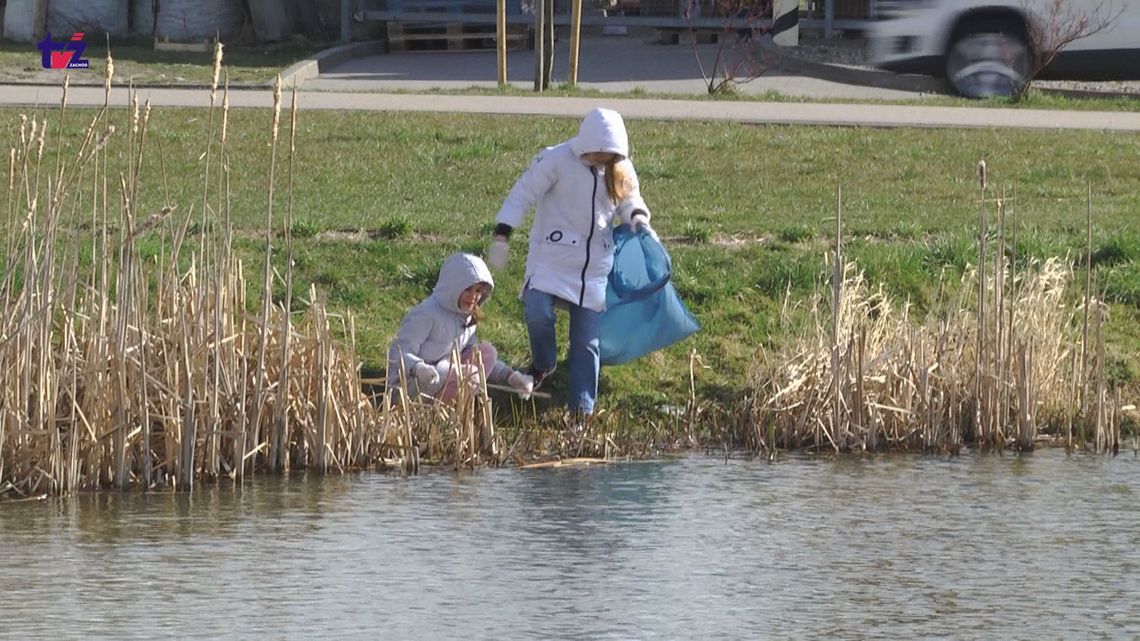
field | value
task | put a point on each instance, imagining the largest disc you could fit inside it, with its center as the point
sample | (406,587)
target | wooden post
(548,33)
(501,40)
(828,17)
(575,41)
(539,42)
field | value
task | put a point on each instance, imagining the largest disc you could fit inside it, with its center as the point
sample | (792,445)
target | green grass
(746,211)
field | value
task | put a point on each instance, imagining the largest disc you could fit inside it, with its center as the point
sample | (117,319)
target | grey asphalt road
(624,64)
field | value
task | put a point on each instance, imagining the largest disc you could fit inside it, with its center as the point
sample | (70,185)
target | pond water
(899,547)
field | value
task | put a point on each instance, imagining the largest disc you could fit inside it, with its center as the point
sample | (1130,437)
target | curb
(310,68)
(863,76)
(1087,93)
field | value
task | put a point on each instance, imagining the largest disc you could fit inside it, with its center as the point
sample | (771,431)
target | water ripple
(976,547)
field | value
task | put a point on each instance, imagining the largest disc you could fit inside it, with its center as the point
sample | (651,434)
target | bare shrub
(1060,23)
(740,55)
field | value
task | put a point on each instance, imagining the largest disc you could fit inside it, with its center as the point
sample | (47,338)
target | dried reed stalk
(836,303)
(149,373)
(909,386)
(904,383)
(980,427)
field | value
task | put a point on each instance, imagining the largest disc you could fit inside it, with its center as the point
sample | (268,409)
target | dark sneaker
(537,376)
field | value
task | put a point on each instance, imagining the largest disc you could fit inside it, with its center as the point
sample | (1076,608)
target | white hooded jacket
(431,330)
(571,240)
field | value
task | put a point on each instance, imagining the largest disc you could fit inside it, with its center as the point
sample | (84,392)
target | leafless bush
(740,56)
(1060,23)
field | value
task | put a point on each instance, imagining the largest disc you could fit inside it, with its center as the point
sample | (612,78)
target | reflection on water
(1039,546)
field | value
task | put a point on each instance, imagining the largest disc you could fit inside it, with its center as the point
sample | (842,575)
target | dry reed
(149,372)
(995,370)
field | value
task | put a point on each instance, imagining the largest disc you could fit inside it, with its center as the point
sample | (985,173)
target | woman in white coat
(576,188)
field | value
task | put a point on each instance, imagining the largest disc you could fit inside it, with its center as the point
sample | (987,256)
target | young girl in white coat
(431,331)
(577,188)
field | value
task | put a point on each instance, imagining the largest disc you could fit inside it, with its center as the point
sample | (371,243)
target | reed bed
(1007,358)
(128,366)
(125,371)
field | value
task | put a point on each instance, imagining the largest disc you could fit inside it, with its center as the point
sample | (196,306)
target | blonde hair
(476,316)
(618,181)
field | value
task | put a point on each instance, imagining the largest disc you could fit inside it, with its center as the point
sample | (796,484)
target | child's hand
(521,383)
(426,375)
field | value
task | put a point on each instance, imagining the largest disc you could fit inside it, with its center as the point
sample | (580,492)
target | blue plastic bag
(643,312)
(641,266)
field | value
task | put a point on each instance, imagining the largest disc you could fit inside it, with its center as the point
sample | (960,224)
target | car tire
(989,59)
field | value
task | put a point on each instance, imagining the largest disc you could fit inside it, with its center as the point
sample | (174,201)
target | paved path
(737,111)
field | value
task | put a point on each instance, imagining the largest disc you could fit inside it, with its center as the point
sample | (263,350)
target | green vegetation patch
(748,213)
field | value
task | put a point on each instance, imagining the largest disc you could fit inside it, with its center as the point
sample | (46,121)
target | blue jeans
(584,353)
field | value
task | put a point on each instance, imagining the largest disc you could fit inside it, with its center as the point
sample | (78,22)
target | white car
(983,48)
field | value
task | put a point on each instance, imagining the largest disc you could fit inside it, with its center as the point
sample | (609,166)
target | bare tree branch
(738,57)
(1060,23)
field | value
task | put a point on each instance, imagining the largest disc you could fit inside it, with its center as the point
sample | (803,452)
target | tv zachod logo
(65,54)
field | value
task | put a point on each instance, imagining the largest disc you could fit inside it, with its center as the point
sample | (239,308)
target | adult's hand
(497,254)
(640,221)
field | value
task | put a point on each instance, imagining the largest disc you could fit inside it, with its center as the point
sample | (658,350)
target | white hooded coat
(571,240)
(431,330)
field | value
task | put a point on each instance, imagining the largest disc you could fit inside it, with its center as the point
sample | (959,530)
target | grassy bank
(746,211)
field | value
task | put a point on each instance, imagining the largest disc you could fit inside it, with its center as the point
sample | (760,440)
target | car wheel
(989,60)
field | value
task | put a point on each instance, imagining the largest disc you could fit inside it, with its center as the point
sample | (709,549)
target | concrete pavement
(623,64)
(875,115)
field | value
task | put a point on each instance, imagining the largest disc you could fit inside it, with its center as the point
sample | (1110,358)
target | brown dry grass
(124,371)
(1000,363)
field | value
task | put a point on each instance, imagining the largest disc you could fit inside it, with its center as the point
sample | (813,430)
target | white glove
(426,375)
(640,221)
(497,254)
(521,383)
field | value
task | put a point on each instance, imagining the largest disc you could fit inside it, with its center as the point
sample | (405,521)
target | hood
(459,272)
(601,130)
